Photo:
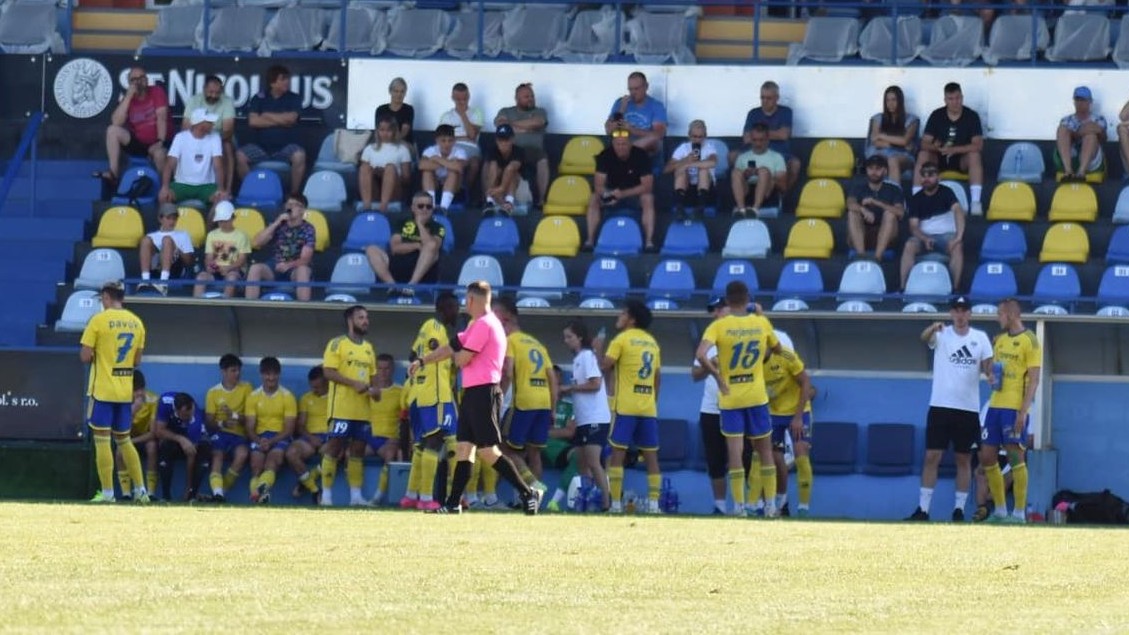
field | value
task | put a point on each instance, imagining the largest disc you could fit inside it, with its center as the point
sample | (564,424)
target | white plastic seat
(99,267)
(928,282)
(748,238)
(80,307)
(352,275)
(827,39)
(876,41)
(956,40)
(481,267)
(862,280)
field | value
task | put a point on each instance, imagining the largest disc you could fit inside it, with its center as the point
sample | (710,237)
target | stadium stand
(352,275)
(579,157)
(992,282)
(1012,200)
(1005,242)
(955,40)
(685,238)
(671,279)
(496,235)
(748,238)
(1022,161)
(249,220)
(731,270)
(832,159)
(821,198)
(877,39)
(368,229)
(119,226)
(1065,242)
(556,236)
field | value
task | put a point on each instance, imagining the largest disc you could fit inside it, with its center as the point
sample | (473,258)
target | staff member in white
(960,354)
(589,406)
(709,420)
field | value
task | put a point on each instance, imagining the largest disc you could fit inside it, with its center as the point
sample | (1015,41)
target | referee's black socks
(506,470)
(459,483)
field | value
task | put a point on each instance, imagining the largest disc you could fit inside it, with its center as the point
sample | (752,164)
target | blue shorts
(349,429)
(782,424)
(528,427)
(628,430)
(591,434)
(999,428)
(753,422)
(109,415)
(376,442)
(427,420)
(315,440)
(226,441)
(281,445)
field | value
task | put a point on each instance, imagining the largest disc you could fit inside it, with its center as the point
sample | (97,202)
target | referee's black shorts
(479,412)
(943,426)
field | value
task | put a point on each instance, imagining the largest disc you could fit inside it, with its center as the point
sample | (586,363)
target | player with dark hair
(350,366)
(311,432)
(384,439)
(180,428)
(141,432)
(223,415)
(271,414)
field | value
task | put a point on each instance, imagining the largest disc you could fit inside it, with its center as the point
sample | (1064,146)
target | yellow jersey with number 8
(637,362)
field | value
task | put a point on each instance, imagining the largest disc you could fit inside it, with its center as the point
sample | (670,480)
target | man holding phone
(623,174)
(692,163)
(760,171)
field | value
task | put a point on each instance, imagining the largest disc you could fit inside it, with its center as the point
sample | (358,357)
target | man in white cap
(194,163)
(226,250)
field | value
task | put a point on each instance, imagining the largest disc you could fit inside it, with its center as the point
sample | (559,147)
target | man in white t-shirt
(217,102)
(195,163)
(692,163)
(167,249)
(467,121)
(443,165)
(960,355)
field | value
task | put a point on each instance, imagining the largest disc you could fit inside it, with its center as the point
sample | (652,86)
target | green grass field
(125,569)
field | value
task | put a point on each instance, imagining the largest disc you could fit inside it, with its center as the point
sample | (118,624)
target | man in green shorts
(195,160)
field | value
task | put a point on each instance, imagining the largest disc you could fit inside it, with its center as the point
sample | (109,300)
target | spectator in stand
(466,121)
(168,250)
(692,163)
(272,117)
(388,162)
(936,224)
(875,208)
(226,250)
(291,239)
(893,134)
(216,102)
(1079,139)
(529,123)
(180,428)
(413,254)
(402,113)
(1123,137)
(443,164)
(501,174)
(140,124)
(778,120)
(953,140)
(760,167)
(194,165)
(623,173)
(641,115)
(141,433)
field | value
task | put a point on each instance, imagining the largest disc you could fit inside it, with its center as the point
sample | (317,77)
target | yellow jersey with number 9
(115,335)
(356,362)
(531,371)
(741,342)
(637,362)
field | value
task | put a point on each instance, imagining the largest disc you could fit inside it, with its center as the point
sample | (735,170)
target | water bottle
(668,498)
(584,495)
(629,501)
(1034,515)
(595,499)
(997,376)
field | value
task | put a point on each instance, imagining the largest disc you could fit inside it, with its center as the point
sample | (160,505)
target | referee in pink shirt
(480,352)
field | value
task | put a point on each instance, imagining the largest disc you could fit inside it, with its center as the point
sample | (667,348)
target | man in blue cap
(1078,142)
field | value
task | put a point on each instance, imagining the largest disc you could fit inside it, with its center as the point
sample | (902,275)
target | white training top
(589,407)
(194,157)
(684,150)
(389,153)
(457,153)
(709,392)
(956,368)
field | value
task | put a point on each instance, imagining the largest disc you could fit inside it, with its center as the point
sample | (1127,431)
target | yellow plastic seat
(810,238)
(953,175)
(249,220)
(1012,200)
(321,229)
(579,156)
(568,195)
(191,221)
(556,236)
(832,158)
(821,198)
(120,227)
(1065,242)
(1074,202)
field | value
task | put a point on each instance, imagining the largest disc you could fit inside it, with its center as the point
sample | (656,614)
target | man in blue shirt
(779,121)
(640,114)
(180,429)
(272,116)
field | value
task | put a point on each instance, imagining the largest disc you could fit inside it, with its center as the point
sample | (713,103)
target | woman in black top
(396,109)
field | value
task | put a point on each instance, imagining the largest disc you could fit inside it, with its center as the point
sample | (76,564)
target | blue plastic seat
(544,277)
(327,160)
(325,190)
(992,282)
(1004,242)
(674,444)
(351,275)
(731,270)
(1022,161)
(620,236)
(100,266)
(497,235)
(448,232)
(1113,290)
(837,449)
(686,238)
(606,278)
(672,279)
(1057,284)
(368,229)
(261,189)
(1118,251)
(1121,208)
(80,307)
(481,267)
(129,177)
(889,449)
(862,280)
(800,280)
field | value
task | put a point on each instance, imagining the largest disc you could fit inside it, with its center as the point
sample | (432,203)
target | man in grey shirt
(529,123)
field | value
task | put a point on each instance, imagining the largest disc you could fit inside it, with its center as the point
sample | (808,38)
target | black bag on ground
(1093,508)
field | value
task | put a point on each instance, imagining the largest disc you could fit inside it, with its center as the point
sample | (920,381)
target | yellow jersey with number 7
(115,335)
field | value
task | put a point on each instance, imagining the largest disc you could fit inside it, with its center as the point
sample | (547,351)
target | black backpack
(1093,508)
(140,187)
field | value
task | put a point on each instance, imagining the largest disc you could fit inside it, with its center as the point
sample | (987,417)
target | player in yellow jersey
(223,415)
(1017,352)
(529,371)
(271,414)
(432,413)
(112,343)
(311,432)
(789,406)
(350,366)
(144,409)
(636,358)
(742,340)
(384,440)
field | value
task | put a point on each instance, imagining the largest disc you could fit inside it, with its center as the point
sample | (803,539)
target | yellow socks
(472,483)
(737,487)
(768,483)
(428,466)
(382,484)
(267,478)
(754,483)
(104,461)
(996,485)
(328,472)
(615,483)
(132,462)
(803,479)
(654,486)
(1019,486)
(355,471)
(253,484)
(124,482)
(309,482)
(489,481)
(413,474)
(151,480)
(229,478)
(215,480)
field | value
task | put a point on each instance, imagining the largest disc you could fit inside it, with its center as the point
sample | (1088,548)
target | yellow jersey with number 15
(532,365)
(115,335)
(356,362)
(637,362)
(741,342)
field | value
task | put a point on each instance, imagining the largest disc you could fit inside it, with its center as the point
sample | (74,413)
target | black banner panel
(41,395)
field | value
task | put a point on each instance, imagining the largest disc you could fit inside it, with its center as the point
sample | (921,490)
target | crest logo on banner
(83,88)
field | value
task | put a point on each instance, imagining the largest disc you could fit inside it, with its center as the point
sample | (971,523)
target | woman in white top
(388,161)
(893,134)
(589,405)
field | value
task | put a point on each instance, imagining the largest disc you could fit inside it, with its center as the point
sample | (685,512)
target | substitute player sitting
(385,438)
(180,427)
(310,434)
(223,415)
(271,414)
(144,409)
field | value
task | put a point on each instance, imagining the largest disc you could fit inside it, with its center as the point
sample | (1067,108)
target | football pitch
(125,569)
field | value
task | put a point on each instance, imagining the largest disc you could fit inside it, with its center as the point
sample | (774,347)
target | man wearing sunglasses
(413,253)
(140,125)
(623,176)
